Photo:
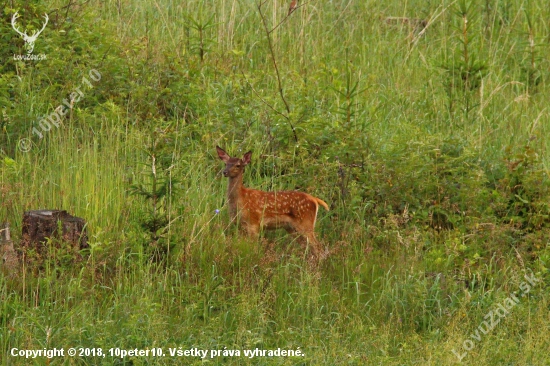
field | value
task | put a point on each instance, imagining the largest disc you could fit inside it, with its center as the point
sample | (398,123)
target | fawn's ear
(222,154)
(246,158)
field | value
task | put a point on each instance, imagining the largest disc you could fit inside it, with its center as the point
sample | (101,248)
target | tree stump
(56,225)
(9,263)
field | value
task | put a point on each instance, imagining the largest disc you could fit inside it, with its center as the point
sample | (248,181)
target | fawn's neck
(233,192)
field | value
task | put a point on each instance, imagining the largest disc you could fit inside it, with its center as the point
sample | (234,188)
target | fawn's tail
(321,202)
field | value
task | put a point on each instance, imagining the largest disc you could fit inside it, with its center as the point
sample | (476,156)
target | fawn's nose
(226,172)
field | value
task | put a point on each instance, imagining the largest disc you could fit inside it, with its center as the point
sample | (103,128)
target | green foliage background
(423,124)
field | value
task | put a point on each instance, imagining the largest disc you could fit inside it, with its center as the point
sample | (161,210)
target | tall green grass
(427,231)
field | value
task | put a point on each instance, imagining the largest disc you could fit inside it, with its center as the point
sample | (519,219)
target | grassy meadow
(423,124)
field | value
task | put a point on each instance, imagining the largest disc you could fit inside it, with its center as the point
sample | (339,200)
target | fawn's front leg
(252,230)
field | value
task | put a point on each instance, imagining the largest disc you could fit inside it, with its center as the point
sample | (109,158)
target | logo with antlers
(29,40)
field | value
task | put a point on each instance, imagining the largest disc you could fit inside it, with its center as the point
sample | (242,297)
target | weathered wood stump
(9,263)
(56,225)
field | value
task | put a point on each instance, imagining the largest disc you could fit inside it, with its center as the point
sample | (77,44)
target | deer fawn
(293,211)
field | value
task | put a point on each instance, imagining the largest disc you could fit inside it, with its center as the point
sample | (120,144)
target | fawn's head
(233,166)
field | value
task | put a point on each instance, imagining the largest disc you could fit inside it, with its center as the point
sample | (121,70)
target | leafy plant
(531,72)
(465,69)
(156,190)
(201,42)
(526,186)
(349,92)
